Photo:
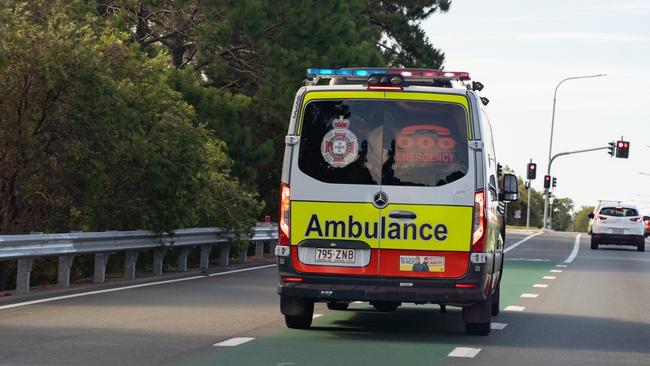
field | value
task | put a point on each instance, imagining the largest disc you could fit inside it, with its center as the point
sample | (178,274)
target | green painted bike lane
(414,334)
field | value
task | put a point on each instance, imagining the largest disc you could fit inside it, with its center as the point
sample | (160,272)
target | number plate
(332,255)
(618,231)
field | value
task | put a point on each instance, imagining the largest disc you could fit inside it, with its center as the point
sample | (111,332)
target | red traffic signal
(622,149)
(547,181)
(532,171)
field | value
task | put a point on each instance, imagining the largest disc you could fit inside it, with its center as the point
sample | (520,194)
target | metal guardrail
(25,248)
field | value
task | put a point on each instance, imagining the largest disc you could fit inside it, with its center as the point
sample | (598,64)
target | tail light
(480,222)
(636,219)
(285,214)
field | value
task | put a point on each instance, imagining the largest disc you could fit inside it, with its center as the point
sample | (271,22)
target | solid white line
(57,298)
(514,308)
(548,277)
(464,352)
(561,266)
(556,271)
(529,296)
(540,285)
(498,326)
(232,342)
(316,316)
(513,246)
(574,252)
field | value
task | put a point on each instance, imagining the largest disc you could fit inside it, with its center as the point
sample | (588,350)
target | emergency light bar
(407,73)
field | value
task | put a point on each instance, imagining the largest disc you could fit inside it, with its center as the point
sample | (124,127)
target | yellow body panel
(443,228)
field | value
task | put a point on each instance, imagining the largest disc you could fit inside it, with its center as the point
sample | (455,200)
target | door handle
(402,215)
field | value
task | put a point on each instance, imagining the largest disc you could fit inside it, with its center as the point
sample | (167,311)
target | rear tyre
(594,243)
(641,246)
(386,306)
(495,300)
(337,305)
(478,317)
(298,313)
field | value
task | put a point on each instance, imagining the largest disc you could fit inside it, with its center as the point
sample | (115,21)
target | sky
(520,50)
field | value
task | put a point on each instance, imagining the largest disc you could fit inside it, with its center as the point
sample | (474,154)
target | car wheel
(386,306)
(495,300)
(477,317)
(337,305)
(594,243)
(298,313)
(641,246)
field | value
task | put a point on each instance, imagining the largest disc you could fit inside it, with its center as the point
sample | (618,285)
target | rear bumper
(617,239)
(405,290)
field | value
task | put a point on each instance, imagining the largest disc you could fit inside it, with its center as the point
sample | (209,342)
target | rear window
(618,211)
(403,143)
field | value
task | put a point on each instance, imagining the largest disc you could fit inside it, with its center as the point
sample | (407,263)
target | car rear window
(404,143)
(618,211)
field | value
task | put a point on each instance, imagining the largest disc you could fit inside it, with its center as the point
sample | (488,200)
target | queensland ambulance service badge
(339,146)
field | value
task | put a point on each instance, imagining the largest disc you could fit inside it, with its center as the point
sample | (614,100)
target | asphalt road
(596,311)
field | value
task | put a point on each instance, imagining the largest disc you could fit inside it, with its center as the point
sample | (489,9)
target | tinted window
(618,212)
(384,142)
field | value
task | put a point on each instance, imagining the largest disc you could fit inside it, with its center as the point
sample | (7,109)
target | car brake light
(291,279)
(480,224)
(465,285)
(285,214)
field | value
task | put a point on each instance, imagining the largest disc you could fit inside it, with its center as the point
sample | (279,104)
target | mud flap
(294,306)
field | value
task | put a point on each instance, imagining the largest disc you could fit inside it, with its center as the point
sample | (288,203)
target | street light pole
(550,145)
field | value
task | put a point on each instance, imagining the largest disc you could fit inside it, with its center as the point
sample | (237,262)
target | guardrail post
(130,261)
(205,256)
(23,275)
(158,256)
(224,255)
(182,259)
(101,260)
(63,277)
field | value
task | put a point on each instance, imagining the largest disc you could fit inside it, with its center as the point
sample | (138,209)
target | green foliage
(94,137)
(244,60)
(561,218)
(580,219)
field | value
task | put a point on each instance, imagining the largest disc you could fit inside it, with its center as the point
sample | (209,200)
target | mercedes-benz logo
(380,200)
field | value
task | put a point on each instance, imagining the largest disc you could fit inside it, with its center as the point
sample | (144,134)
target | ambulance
(391,194)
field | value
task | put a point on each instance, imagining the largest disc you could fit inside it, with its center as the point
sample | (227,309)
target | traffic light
(499,170)
(547,181)
(532,171)
(622,149)
(611,149)
(554,182)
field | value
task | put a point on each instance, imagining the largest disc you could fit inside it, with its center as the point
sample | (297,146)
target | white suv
(617,224)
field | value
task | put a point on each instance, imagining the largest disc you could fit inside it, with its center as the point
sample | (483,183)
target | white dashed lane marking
(514,308)
(232,342)
(540,285)
(466,352)
(548,277)
(316,316)
(556,271)
(529,296)
(498,326)
(561,265)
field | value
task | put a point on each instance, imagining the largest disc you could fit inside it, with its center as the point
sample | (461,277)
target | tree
(561,214)
(580,219)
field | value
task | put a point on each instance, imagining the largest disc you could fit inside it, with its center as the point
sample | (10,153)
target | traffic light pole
(547,191)
(528,205)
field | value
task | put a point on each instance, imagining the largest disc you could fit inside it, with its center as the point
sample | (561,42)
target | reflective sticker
(414,263)
(339,146)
